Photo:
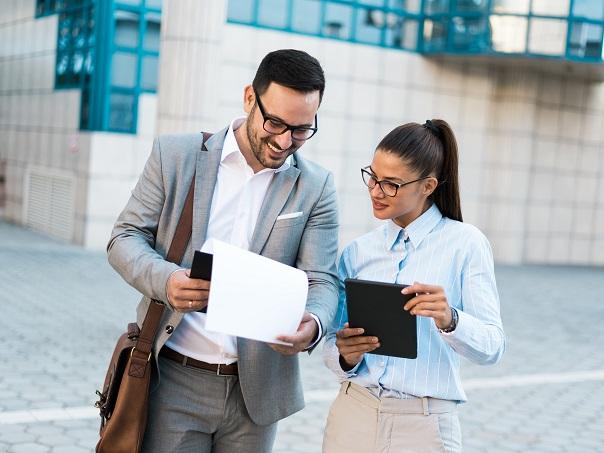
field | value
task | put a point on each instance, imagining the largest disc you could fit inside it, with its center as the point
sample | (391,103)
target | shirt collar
(417,230)
(231,148)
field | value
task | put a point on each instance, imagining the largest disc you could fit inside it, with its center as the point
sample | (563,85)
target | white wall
(531,145)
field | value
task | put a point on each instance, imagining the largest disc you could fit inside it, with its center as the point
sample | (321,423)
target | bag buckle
(132,352)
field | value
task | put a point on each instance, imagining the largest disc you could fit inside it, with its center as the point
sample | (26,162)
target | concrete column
(190,65)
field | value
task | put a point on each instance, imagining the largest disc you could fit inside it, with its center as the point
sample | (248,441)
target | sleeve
(131,249)
(331,356)
(317,255)
(479,335)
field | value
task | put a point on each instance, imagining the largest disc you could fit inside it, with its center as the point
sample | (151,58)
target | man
(214,392)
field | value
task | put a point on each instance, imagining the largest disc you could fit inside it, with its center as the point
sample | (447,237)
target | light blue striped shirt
(433,250)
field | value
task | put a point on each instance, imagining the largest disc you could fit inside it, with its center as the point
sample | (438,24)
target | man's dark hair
(291,68)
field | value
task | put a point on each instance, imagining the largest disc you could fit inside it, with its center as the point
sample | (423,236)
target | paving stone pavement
(62,308)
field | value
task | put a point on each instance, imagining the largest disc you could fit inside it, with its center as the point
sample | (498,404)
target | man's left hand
(306,333)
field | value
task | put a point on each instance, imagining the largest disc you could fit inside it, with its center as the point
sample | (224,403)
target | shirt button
(169,329)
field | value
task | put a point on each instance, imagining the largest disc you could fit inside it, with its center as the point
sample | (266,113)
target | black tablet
(377,307)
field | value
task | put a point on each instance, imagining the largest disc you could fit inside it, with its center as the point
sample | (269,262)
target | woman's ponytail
(446,195)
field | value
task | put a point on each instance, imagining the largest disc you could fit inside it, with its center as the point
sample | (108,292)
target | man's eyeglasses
(389,188)
(277,127)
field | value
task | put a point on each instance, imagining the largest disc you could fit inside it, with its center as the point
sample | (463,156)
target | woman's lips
(377,205)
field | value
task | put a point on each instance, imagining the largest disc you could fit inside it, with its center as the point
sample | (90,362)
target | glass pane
(149,73)
(240,10)
(435,35)
(272,13)
(436,6)
(411,6)
(64,34)
(593,9)
(130,2)
(551,7)
(471,5)
(79,30)
(121,112)
(586,40)
(469,34)
(511,6)
(508,34)
(123,69)
(152,32)
(409,34)
(153,4)
(306,16)
(547,36)
(89,61)
(126,29)
(370,23)
(337,21)
(371,2)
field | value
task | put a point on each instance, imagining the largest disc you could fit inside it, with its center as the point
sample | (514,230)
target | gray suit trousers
(194,410)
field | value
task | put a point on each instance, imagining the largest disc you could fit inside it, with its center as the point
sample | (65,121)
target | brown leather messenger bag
(123,403)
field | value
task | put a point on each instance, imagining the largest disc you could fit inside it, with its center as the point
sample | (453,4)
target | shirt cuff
(319,334)
(168,298)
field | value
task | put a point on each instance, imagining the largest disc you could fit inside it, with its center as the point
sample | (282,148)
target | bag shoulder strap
(175,255)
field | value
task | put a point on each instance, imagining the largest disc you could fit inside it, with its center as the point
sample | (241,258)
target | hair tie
(432,127)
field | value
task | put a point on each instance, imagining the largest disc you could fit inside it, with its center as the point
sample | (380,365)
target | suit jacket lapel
(276,196)
(206,172)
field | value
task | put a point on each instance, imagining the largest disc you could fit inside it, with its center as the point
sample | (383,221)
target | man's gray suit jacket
(270,382)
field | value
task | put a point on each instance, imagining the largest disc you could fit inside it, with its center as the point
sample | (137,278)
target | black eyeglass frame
(286,127)
(396,185)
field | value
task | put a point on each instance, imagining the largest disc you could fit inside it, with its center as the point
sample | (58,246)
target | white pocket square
(291,215)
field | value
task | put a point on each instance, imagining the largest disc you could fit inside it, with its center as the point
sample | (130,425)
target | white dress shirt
(238,196)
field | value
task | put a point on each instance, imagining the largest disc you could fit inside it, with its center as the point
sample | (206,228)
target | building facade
(82,93)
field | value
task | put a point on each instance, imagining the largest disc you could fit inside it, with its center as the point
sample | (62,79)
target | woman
(390,404)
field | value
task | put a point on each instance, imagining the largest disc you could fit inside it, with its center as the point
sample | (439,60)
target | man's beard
(258,147)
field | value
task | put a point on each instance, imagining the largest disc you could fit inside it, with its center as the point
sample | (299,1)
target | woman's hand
(430,301)
(352,345)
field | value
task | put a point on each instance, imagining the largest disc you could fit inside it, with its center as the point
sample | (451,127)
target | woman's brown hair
(430,149)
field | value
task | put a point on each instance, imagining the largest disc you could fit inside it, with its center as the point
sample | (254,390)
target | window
(337,22)
(369,25)
(551,7)
(590,9)
(508,34)
(435,35)
(272,13)
(547,36)
(586,40)
(75,47)
(306,16)
(436,6)
(469,34)
(511,6)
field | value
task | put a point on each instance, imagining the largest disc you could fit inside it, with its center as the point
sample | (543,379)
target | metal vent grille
(49,202)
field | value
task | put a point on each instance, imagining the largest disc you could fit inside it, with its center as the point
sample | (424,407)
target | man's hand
(306,333)
(187,294)
(352,345)
(430,301)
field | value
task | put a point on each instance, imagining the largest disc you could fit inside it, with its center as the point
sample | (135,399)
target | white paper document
(253,296)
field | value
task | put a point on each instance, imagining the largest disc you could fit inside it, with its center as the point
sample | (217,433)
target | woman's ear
(430,185)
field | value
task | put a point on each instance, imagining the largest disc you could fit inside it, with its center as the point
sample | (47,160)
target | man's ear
(249,99)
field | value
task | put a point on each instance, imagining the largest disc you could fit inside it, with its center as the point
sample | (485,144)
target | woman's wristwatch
(453,325)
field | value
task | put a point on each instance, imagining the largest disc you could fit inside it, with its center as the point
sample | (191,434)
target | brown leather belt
(219,368)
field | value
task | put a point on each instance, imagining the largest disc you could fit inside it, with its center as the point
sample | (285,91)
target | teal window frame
(357,7)
(97,87)
(451,16)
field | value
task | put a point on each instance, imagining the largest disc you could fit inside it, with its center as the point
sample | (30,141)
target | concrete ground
(62,308)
